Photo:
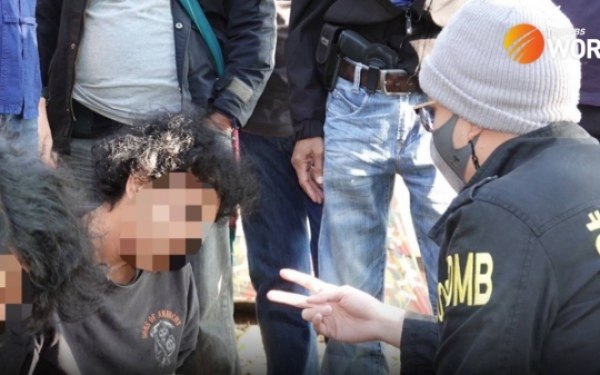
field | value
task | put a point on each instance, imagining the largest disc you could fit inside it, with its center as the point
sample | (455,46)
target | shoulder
(545,191)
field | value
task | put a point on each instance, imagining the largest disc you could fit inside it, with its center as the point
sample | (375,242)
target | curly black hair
(173,143)
(39,226)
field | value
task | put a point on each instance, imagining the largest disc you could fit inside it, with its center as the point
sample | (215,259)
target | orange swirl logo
(524,43)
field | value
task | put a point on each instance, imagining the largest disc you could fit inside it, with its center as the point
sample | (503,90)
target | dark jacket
(519,279)
(245,29)
(377,20)
(19,64)
(271,116)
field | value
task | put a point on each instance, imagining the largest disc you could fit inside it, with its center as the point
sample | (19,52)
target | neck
(106,240)
(121,273)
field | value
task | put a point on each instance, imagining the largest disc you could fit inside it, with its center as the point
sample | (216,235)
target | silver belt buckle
(382,84)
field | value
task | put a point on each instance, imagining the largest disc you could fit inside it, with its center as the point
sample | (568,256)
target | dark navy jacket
(246,32)
(20,86)
(519,278)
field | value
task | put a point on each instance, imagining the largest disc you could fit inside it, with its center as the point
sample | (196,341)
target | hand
(342,313)
(221,122)
(45,136)
(307,160)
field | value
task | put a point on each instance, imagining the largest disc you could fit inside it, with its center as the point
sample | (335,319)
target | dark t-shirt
(147,327)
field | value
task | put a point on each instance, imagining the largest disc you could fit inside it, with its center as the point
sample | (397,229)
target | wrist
(221,121)
(390,321)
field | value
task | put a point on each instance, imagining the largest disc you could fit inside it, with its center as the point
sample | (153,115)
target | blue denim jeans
(216,351)
(23,134)
(277,236)
(369,138)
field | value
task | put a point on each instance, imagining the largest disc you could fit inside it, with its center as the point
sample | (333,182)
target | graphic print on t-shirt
(160,328)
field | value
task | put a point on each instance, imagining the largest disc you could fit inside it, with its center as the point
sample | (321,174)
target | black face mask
(451,162)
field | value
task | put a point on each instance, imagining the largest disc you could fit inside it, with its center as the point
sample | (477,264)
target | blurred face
(166,220)
(14,303)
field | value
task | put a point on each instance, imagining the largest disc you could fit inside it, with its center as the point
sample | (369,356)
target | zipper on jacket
(409,27)
(78,45)
(71,109)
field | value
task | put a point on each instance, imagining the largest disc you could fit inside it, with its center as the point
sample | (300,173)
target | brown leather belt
(391,81)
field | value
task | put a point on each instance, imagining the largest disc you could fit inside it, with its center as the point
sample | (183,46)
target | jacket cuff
(235,98)
(420,340)
(45,93)
(308,129)
(228,107)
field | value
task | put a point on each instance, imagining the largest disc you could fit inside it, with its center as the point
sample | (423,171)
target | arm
(342,313)
(497,301)
(45,136)
(249,49)
(307,94)
(48,21)
(349,315)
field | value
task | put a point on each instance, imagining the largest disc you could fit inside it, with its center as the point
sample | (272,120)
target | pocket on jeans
(345,103)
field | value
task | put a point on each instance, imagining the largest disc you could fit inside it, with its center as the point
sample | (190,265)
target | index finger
(288,298)
(305,180)
(309,282)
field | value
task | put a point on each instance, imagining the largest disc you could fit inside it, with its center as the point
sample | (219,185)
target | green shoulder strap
(197,15)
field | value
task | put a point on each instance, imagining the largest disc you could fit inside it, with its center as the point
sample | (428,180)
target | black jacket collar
(509,156)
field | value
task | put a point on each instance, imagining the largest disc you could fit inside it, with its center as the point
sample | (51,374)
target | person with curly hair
(158,189)
(106,64)
(47,266)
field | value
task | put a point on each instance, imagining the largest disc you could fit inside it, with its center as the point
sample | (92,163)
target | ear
(132,187)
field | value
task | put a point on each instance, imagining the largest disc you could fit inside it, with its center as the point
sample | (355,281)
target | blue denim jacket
(20,85)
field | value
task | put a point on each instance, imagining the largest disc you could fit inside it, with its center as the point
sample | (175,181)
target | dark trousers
(277,236)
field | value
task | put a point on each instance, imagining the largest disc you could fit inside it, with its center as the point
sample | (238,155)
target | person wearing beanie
(519,275)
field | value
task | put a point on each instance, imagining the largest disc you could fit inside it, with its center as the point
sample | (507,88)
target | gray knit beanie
(506,88)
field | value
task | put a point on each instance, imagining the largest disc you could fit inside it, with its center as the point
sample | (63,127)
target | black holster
(336,43)
(328,54)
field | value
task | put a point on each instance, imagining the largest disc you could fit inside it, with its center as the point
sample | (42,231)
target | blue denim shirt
(20,85)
